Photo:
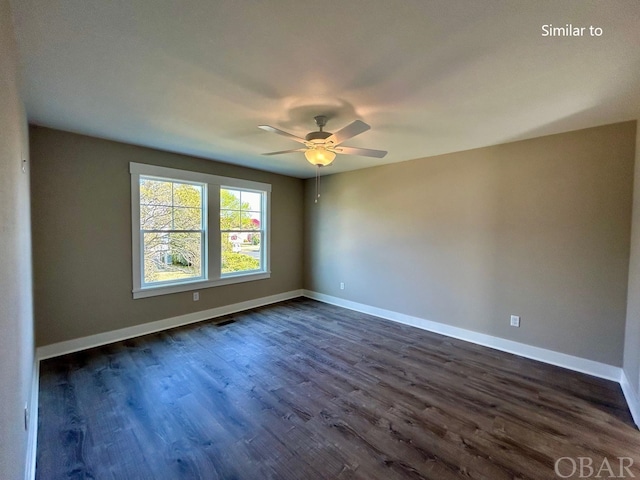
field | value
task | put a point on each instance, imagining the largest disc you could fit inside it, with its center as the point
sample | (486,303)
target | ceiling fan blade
(269,128)
(350,131)
(363,152)
(286,151)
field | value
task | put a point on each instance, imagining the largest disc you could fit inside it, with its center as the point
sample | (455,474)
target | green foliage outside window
(238,262)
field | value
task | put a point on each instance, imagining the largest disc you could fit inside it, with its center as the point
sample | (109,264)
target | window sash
(262,234)
(203,258)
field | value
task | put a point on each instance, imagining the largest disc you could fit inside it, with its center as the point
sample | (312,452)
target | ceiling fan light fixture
(320,156)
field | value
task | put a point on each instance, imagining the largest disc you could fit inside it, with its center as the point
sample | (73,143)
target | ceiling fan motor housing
(319,136)
(314,136)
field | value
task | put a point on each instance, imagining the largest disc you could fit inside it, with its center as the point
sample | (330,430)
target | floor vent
(224,322)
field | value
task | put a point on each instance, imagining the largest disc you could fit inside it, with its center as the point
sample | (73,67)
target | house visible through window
(180,220)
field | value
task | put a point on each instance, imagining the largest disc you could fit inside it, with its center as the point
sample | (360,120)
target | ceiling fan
(320,147)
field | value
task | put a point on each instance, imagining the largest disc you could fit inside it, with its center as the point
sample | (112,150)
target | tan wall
(16,310)
(82,237)
(632,336)
(538,228)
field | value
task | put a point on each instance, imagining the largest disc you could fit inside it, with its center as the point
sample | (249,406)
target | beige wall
(538,228)
(631,364)
(16,318)
(82,237)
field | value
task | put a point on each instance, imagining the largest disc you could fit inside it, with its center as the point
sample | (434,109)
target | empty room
(384,239)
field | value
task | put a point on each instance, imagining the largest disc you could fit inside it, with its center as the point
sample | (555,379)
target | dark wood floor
(305,390)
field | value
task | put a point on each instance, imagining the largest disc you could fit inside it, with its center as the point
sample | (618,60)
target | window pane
(229,199)
(251,201)
(155,192)
(187,218)
(187,195)
(155,217)
(240,251)
(250,221)
(229,220)
(172,256)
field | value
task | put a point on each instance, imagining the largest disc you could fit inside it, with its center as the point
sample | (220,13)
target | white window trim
(214,182)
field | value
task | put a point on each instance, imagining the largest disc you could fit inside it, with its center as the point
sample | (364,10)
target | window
(172,230)
(241,230)
(193,230)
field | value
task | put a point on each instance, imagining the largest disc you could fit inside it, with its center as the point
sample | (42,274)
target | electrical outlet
(515,321)
(341,285)
(196,296)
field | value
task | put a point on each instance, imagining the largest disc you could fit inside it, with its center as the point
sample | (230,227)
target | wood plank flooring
(305,390)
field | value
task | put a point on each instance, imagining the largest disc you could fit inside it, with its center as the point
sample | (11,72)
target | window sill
(198,285)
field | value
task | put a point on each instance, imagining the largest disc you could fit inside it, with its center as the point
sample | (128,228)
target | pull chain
(317,183)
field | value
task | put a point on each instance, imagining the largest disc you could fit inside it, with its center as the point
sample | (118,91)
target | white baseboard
(570,362)
(75,345)
(32,429)
(632,398)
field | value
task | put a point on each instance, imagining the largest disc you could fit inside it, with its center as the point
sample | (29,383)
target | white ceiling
(430,77)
